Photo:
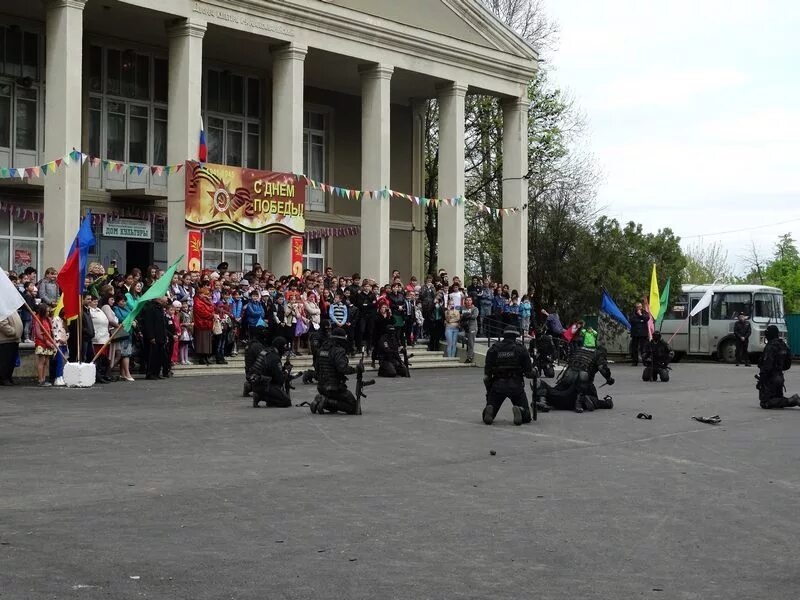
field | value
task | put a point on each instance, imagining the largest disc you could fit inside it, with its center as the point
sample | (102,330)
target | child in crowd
(42,334)
(525,315)
(185,339)
(60,335)
(174,315)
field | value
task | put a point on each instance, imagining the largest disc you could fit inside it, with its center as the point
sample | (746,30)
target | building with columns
(334,89)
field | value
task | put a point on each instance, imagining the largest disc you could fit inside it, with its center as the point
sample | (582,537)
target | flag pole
(678,330)
(47,333)
(106,345)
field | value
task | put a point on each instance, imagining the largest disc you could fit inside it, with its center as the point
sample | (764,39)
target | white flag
(10,298)
(702,304)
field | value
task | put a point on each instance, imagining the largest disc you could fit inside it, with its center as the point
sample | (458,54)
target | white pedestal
(80,375)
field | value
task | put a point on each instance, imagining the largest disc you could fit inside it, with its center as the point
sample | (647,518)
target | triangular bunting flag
(131,169)
(118,167)
(139,169)
(58,162)
(35,171)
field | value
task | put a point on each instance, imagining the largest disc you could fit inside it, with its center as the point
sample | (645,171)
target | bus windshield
(768,306)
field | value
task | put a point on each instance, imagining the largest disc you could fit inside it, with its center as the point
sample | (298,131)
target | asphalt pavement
(180,489)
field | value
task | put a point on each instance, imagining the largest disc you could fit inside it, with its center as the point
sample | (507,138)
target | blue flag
(84,242)
(609,307)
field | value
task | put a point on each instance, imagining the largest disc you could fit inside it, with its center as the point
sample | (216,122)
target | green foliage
(784,272)
(707,263)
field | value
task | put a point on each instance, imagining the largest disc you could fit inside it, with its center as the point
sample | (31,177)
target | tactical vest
(326,360)
(583,359)
(507,363)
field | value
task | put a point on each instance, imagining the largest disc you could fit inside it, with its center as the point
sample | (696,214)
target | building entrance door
(139,255)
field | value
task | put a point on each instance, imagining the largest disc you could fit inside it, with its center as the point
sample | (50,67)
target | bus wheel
(727,352)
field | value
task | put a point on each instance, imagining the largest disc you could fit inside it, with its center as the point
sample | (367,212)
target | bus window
(768,306)
(726,306)
(678,310)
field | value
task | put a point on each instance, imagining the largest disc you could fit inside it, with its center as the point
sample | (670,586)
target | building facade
(334,89)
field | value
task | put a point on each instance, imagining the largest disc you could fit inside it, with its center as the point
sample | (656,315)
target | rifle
(361,384)
(288,377)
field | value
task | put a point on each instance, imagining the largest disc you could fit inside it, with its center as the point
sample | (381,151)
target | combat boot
(246,389)
(317,404)
(793,401)
(541,405)
(517,414)
(488,414)
(256,401)
(578,404)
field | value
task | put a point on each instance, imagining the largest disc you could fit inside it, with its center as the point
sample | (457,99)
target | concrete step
(305,362)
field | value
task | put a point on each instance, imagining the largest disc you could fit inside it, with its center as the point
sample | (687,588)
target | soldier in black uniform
(775,359)
(576,390)
(656,357)
(507,362)
(266,376)
(315,341)
(333,368)
(258,341)
(391,364)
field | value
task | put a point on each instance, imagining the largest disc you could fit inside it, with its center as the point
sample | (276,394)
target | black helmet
(657,336)
(326,325)
(261,333)
(510,332)
(279,343)
(391,328)
(338,334)
(772,333)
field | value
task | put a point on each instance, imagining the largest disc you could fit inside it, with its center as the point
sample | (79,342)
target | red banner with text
(218,196)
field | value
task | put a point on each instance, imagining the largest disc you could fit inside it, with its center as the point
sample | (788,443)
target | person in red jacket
(203,323)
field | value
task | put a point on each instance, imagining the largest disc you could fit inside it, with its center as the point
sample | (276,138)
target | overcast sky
(693,110)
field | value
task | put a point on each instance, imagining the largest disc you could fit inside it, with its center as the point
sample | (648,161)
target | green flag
(664,304)
(157,290)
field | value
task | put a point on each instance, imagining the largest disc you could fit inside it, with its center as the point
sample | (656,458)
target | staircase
(422,359)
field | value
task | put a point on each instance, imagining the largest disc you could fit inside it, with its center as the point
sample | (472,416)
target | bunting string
(112,166)
(24,213)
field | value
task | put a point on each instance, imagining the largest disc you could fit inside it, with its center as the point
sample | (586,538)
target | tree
(784,272)
(707,263)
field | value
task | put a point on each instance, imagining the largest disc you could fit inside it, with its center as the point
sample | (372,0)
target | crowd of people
(208,316)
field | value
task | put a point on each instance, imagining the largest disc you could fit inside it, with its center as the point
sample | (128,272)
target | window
(19,119)
(234,247)
(127,107)
(233,124)
(314,157)
(19,52)
(728,305)
(768,306)
(700,318)
(678,310)
(20,244)
(314,254)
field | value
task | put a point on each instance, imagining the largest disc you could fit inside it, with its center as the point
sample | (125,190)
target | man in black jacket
(333,369)
(639,332)
(742,330)
(154,336)
(575,390)
(391,364)
(266,376)
(775,359)
(656,357)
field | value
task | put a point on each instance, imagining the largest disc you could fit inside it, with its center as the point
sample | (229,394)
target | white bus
(710,333)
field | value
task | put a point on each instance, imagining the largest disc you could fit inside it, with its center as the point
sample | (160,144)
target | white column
(375,169)
(451,178)
(418,109)
(183,129)
(287,135)
(515,193)
(62,189)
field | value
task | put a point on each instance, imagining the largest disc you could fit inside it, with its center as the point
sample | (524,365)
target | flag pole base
(80,375)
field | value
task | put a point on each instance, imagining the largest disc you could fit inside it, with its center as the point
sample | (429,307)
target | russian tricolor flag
(203,151)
